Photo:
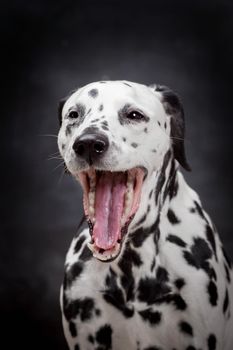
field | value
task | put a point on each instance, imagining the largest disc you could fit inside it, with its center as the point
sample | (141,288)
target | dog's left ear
(60,107)
(173,107)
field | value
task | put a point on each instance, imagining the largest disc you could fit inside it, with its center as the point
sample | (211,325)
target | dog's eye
(134,115)
(73,114)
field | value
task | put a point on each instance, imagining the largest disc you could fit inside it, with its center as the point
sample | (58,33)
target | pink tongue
(109,203)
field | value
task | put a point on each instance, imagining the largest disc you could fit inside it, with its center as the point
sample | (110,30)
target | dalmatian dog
(147,270)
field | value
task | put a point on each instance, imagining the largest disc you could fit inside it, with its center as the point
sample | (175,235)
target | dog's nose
(90,146)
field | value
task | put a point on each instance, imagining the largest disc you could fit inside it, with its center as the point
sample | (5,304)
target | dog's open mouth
(110,201)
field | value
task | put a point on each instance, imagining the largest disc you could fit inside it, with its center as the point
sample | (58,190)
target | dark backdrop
(51,47)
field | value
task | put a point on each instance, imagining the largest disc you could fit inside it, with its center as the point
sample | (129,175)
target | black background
(51,47)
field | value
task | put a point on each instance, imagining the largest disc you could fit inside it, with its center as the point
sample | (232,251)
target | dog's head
(112,134)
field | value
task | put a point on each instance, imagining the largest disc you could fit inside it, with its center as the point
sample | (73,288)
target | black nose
(90,146)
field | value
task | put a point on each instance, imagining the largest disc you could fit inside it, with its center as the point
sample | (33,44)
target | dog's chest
(129,306)
(134,302)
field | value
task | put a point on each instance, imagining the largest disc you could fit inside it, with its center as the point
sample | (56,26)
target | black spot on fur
(86,254)
(176,240)
(124,139)
(153,317)
(165,125)
(98,312)
(78,244)
(186,328)
(150,195)
(134,145)
(95,120)
(179,283)
(212,274)
(211,342)
(114,295)
(156,237)
(104,336)
(190,348)
(93,93)
(154,150)
(213,293)
(162,275)
(152,265)
(104,127)
(199,255)
(146,130)
(72,273)
(226,302)
(199,210)
(101,107)
(141,234)
(211,239)
(228,276)
(159,123)
(129,259)
(91,339)
(143,218)
(150,290)
(80,307)
(73,330)
(176,300)
(162,176)
(172,217)
(76,347)
(173,187)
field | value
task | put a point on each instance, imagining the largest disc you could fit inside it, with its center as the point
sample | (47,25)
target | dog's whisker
(59,165)
(177,138)
(180,139)
(49,135)
(61,176)
(58,158)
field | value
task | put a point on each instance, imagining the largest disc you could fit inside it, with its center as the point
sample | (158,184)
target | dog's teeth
(91,247)
(91,197)
(106,255)
(91,194)
(128,198)
(130,178)
(91,210)
(92,179)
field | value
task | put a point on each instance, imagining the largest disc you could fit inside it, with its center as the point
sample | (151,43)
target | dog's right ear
(60,108)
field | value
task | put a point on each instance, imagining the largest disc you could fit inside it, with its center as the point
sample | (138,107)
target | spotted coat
(171,286)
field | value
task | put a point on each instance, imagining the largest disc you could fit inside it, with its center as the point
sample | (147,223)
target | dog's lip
(85,178)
